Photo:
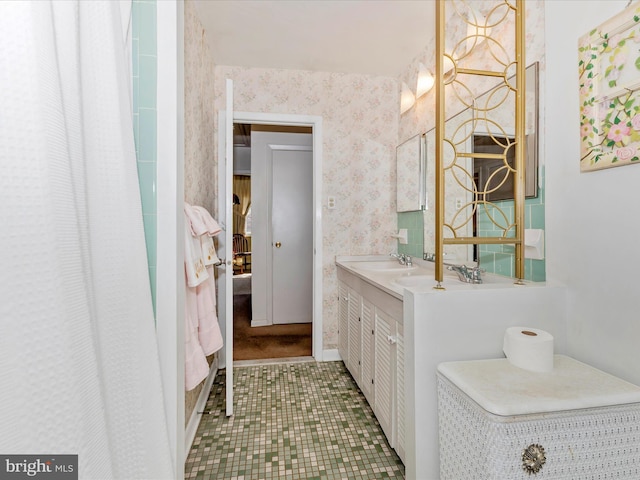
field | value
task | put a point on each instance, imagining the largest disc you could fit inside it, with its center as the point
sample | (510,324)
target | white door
(368,352)
(225,216)
(355,334)
(343,325)
(292,234)
(282,213)
(400,396)
(384,369)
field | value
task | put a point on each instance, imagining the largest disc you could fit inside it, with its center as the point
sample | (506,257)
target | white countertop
(357,265)
(386,280)
(503,389)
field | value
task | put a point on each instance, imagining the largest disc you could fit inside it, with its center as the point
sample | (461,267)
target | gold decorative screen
(480,72)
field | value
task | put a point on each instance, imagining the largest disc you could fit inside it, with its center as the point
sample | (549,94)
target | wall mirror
(410,175)
(492,178)
(488,173)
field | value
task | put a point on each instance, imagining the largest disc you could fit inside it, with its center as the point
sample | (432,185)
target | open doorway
(261,183)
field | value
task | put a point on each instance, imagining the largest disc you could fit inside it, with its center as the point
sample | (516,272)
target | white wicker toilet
(500,422)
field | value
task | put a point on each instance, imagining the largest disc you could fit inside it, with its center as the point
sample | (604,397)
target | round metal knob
(533,458)
(278,244)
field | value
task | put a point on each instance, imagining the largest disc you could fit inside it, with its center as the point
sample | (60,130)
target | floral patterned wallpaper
(360,131)
(200,171)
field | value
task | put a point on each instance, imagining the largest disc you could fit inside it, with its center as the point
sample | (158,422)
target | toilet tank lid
(503,389)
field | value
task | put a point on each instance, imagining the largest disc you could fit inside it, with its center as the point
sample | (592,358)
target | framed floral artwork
(609,69)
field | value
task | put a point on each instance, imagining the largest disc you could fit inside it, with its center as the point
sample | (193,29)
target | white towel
(195,269)
(209,255)
(202,225)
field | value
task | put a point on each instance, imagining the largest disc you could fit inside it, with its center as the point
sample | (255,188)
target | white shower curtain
(79,369)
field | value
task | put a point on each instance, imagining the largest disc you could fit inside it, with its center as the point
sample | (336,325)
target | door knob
(278,244)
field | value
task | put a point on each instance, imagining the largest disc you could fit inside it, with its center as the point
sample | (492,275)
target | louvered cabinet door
(354,312)
(343,321)
(400,395)
(368,347)
(385,372)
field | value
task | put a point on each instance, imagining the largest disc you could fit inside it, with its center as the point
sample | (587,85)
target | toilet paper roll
(529,348)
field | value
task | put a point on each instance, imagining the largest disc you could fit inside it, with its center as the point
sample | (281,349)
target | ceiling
(378,37)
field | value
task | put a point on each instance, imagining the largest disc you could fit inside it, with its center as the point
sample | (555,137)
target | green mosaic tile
(292,421)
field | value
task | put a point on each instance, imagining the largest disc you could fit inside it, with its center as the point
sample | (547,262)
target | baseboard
(194,420)
(260,323)
(331,355)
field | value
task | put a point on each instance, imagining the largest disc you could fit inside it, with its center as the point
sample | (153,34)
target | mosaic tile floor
(292,421)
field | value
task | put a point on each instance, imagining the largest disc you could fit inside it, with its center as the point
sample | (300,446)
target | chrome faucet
(467,274)
(402,259)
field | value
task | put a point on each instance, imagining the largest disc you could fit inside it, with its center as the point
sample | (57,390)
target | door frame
(170,281)
(315,122)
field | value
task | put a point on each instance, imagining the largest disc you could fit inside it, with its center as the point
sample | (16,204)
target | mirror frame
(411,174)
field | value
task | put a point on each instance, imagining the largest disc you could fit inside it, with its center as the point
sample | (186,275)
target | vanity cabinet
(368,351)
(343,321)
(399,391)
(354,334)
(385,364)
(371,343)
(389,382)
(355,343)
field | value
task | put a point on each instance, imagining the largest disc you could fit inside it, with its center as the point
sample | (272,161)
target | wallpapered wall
(360,131)
(200,175)
(421,117)
(200,172)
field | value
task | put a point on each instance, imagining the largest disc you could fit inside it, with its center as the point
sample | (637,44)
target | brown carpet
(274,341)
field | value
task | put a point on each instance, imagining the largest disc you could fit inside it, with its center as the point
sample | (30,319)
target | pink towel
(194,221)
(201,307)
(202,331)
(212,226)
(208,327)
(196,367)
(200,220)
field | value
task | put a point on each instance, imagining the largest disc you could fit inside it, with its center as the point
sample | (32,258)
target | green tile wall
(500,258)
(414,223)
(144,68)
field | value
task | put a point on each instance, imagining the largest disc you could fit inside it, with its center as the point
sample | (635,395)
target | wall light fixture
(407,98)
(425,81)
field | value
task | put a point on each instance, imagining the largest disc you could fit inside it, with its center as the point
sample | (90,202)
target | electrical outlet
(459,203)
(331,202)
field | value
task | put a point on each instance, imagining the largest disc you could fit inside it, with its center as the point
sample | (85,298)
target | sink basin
(384,266)
(415,281)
